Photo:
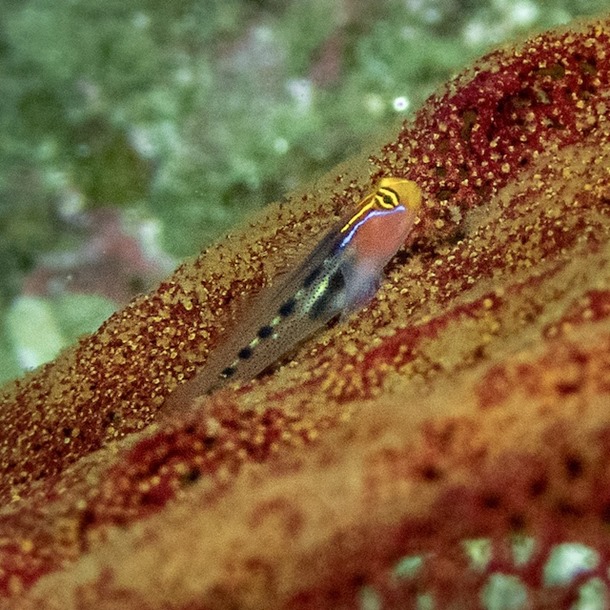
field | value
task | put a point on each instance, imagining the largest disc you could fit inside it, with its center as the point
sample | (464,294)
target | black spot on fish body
(287,308)
(334,287)
(336,283)
(228,372)
(264,332)
(245,353)
(310,279)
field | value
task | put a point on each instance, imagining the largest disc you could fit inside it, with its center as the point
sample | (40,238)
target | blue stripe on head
(345,241)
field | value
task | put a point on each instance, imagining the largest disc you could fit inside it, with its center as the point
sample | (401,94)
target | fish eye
(387,199)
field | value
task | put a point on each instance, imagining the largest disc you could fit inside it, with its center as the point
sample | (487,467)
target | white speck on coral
(281,146)
(567,561)
(504,592)
(592,595)
(401,103)
(369,599)
(479,551)
(522,549)
(408,566)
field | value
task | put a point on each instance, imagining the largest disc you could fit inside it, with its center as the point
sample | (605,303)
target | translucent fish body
(339,276)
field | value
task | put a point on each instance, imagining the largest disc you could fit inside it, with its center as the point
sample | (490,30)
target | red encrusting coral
(467,403)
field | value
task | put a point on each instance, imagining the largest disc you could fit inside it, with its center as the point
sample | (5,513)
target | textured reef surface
(437,450)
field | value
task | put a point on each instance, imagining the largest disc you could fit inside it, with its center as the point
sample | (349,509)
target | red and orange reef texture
(467,405)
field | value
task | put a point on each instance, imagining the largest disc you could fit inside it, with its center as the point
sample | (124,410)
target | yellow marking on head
(391,193)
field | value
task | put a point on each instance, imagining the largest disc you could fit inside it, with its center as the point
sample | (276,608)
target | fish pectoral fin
(359,291)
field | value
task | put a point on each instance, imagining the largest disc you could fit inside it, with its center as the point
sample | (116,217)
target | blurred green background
(134,132)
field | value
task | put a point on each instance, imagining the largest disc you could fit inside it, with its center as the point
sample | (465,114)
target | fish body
(339,276)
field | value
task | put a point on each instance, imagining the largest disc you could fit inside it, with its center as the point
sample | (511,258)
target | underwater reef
(451,436)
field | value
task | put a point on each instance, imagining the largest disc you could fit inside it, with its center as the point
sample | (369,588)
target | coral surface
(438,449)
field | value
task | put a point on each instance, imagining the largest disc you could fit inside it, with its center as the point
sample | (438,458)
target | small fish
(340,275)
